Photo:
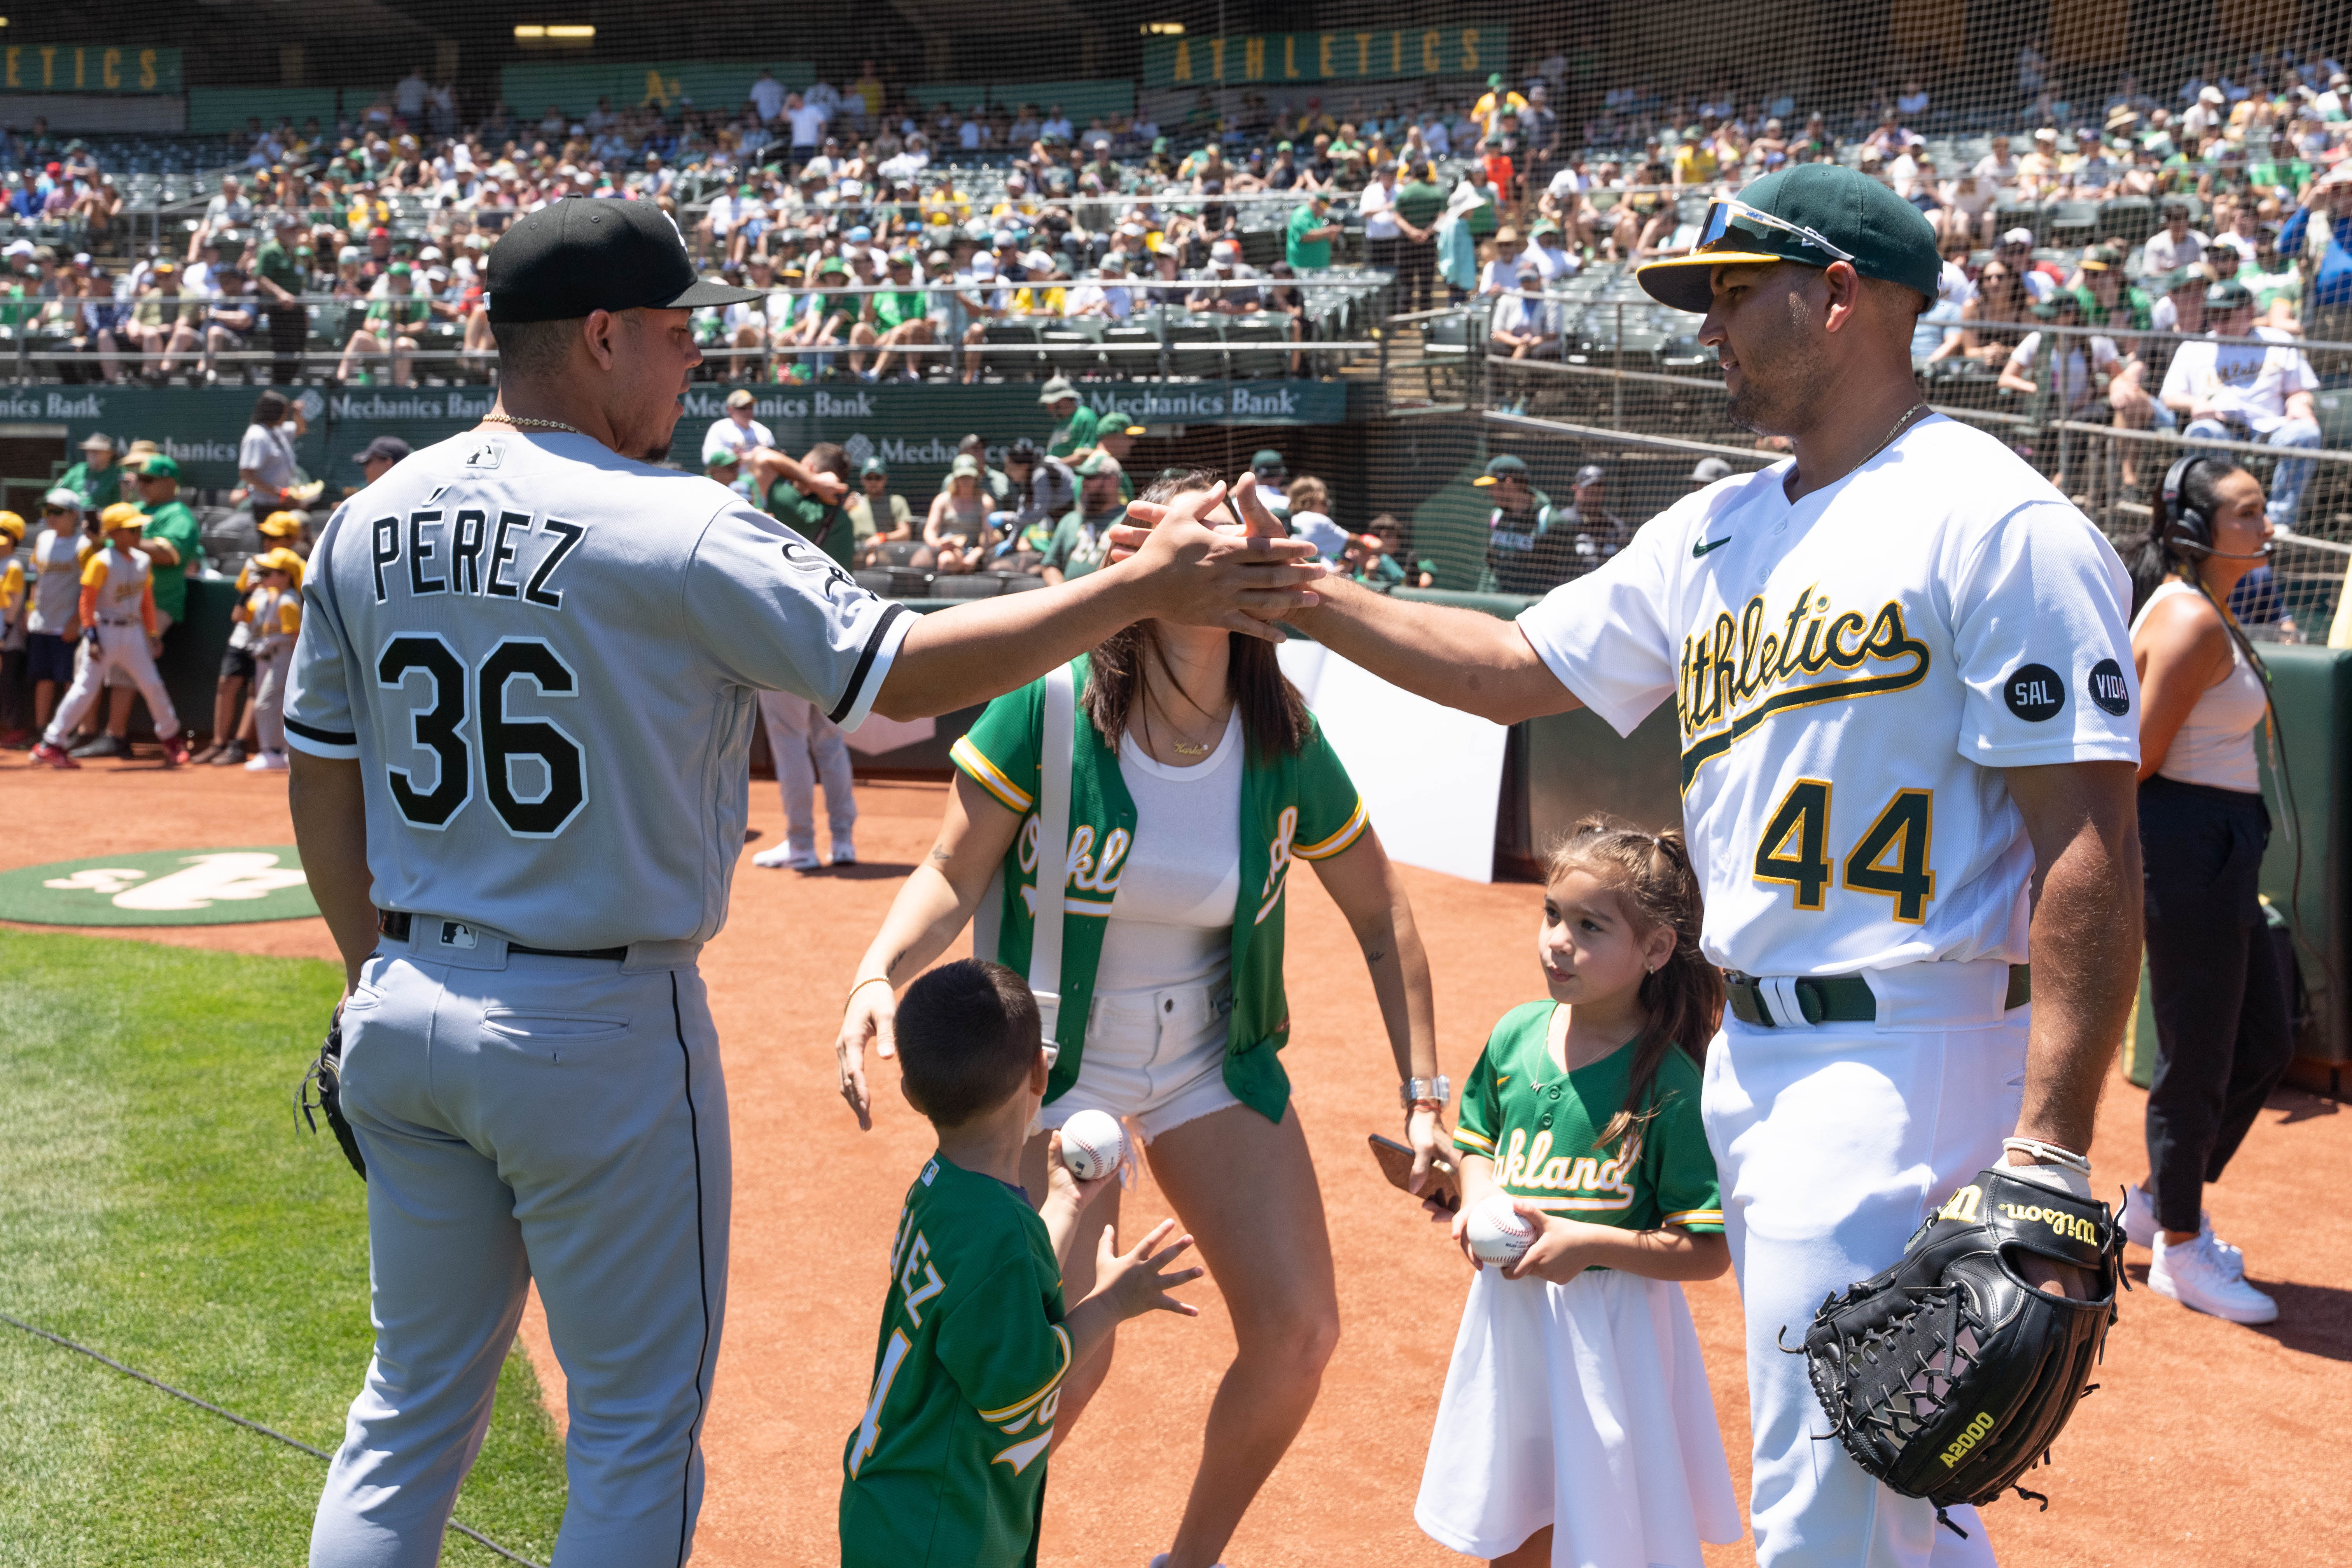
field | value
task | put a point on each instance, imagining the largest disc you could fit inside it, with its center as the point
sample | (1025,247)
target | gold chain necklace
(1907,415)
(500,417)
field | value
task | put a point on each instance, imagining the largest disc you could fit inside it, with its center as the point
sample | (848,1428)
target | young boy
(273,617)
(949,1465)
(118,607)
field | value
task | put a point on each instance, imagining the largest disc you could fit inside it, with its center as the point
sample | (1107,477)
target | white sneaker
(844,852)
(2140,1229)
(784,857)
(1161,1561)
(2193,1274)
(267,763)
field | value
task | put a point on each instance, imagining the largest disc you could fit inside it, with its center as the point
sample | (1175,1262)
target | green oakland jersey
(1539,1127)
(949,1465)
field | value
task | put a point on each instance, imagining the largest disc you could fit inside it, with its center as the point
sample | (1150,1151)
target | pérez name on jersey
(1737,673)
(448,547)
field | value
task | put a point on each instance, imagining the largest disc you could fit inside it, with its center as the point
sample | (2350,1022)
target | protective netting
(1189,211)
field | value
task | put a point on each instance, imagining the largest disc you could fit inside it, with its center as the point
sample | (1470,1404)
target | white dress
(1584,1406)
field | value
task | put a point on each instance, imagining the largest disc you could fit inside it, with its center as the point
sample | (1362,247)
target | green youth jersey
(1540,1127)
(825,526)
(895,310)
(949,1465)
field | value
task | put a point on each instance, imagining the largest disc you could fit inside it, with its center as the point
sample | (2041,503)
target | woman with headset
(2216,980)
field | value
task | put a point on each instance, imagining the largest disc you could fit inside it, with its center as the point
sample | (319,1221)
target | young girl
(1576,1425)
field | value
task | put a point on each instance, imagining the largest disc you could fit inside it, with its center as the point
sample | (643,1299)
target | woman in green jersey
(1577,1403)
(1197,781)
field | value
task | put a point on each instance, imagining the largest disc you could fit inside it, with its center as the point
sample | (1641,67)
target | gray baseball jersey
(546,659)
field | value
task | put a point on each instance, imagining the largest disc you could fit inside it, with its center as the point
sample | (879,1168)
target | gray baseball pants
(808,747)
(533,1117)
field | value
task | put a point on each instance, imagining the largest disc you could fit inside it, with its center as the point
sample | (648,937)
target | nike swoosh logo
(1703,547)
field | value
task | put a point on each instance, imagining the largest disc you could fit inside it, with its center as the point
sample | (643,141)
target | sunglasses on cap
(1723,210)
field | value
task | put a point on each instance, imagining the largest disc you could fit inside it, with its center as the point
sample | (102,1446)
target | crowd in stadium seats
(909,239)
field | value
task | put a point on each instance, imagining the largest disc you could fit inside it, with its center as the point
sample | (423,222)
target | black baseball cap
(1880,233)
(580,255)
(389,448)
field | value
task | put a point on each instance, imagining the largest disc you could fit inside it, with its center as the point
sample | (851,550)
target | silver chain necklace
(504,418)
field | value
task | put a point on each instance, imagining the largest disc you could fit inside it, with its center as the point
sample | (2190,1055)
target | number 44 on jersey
(1889,860)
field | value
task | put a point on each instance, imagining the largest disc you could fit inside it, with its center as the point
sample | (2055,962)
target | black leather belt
(1836,998)
(396,924)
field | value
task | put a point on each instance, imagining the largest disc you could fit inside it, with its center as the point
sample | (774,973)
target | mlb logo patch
(459,935)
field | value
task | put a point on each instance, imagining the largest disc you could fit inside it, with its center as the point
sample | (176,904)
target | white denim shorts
(1156,1059)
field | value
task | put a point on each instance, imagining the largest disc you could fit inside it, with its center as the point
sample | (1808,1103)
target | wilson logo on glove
(2073,1226)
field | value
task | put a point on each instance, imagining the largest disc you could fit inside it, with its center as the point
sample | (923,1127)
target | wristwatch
(1412,1090)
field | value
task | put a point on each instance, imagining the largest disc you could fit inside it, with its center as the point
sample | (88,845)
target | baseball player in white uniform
(116,615)
(520,711)
(1905,694)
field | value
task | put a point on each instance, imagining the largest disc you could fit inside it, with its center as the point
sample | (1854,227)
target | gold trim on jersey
(1324,848)
(989,776)
(1473,1143)
(1053,1382)
(1693,1216)
(1730,664)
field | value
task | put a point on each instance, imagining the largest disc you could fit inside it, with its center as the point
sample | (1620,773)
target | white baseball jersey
(56,581)
(546,659)
(1848,672)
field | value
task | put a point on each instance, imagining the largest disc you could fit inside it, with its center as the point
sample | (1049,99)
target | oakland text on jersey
(1730,666)
(487,552)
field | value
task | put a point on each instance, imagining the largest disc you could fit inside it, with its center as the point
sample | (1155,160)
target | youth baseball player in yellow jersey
(118,608)
(521,713)
(1904,692)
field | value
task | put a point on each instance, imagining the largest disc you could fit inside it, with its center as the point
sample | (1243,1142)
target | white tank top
(1171,922)
(2216,743)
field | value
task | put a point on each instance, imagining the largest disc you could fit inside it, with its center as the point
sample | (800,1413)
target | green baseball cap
(724,457)
(1267,457)
(874,466)
(1809,214)
(162,467)
(1494,80)
(1504,465)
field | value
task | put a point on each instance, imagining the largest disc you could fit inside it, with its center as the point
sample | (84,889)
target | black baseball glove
(1948,1376)
(322,1090)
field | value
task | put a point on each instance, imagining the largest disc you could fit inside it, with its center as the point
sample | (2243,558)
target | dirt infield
(2207,1444)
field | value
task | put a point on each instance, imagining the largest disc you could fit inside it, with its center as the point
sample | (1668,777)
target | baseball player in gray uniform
(520,709)
(1905,695)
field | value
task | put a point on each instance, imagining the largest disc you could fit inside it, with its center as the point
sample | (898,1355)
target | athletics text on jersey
(1538,1124)
(947,1467)
(517,636)
(1847,672)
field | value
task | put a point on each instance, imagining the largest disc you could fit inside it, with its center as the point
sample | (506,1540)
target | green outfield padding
(162,887)
(160,1205)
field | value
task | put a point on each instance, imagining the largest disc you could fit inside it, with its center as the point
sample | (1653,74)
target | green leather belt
(1834,998)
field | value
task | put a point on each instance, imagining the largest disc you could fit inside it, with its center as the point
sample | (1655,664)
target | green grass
(158,1203)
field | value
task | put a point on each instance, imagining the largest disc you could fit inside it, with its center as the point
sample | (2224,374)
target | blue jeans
(2291,473)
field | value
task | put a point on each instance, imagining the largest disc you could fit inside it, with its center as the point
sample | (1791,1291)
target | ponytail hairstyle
(2182,520)
(1274,722)
(1652,873)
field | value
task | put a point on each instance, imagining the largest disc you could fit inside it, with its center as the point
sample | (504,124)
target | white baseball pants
(1832,1144)
(527,1118)
(270,672)
(807,746)
(122,644)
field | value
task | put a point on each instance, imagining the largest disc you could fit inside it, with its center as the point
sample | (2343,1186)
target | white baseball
(1498,1232)
(1093,1144)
